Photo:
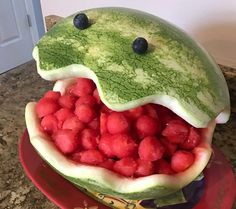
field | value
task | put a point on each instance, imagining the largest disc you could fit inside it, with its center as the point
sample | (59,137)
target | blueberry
(140,45)
(81,21)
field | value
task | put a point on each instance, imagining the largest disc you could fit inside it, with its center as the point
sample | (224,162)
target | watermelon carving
(154,151)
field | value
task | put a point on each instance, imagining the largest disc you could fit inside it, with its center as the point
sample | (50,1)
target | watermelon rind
(175,72)
(105,181)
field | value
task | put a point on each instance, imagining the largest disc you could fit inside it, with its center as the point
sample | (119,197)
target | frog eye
(81,21)
(140,45)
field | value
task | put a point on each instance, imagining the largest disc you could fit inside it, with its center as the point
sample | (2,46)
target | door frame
(34,10)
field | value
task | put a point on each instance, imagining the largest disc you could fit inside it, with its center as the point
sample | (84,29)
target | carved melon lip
(176,72)
(108,179)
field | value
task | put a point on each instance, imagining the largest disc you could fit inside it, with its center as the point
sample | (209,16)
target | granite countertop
(23,84)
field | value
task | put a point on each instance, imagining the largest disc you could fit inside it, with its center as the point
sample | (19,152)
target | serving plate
(219,189)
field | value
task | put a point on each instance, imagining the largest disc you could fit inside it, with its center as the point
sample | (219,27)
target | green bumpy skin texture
(156,191)
(174,65)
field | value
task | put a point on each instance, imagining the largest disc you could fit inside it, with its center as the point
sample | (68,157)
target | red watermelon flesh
(142,141)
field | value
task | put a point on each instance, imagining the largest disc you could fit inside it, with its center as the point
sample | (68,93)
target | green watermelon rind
(74,71)
(105,181)
(176,72)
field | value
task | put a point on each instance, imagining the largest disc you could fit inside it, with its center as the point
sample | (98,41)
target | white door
(15,38)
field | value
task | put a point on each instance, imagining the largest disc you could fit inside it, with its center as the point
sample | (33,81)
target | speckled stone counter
(17,87)
(23,84)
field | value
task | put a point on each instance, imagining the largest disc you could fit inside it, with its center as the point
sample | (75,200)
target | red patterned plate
(220,190)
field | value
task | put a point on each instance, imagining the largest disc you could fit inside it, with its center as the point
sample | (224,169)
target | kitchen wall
(211,22)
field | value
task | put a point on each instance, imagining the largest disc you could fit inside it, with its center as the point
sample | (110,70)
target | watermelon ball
(150,149)
(140,45)
(163,167)
(81,21)
(94,124)
(105,109)
(103,123)
(89,139)
(55,95)
(83,87)
(181,160)
(145,168)
(108,164)
(85,113)
(193,139)
(70,89)
(92,157)
(147,126)
(123,145)
(135,112)
(87,99)
(125,166)
(74,124)
(62,115)
(170,148)
(117,123)
(49,124)
(96,96)
(46,106)
(66,140)
(176,131)
(151,111)
(75,156)
(105,145)
(67,101)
